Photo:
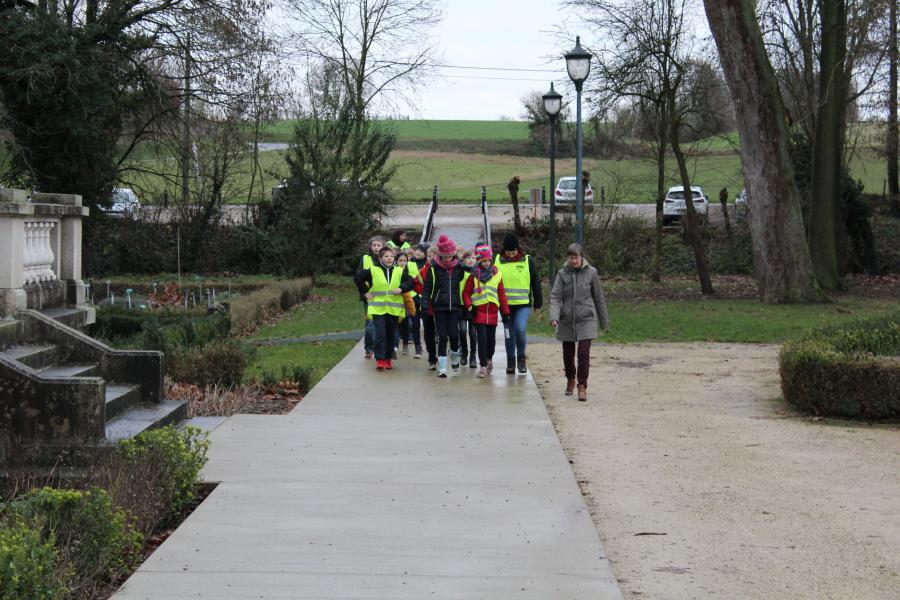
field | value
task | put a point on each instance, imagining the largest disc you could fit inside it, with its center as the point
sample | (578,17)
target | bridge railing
(428,226)
(485,216)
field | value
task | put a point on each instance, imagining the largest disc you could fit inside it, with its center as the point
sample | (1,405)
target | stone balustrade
(40,251)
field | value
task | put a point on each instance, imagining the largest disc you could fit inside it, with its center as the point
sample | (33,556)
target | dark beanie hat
(510,242)
(423,246)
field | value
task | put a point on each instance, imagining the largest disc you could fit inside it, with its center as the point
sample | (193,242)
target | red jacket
(419,286)
(486,314)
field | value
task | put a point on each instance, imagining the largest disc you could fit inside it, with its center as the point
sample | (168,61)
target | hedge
(849,371)
(96,539)
(28,567)
(248,311)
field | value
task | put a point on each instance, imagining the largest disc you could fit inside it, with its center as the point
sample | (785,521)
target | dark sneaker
(510,366)
(523,368)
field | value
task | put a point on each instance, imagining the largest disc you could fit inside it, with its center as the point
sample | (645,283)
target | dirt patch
(703,483)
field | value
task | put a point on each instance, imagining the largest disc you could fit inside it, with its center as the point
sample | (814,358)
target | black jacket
(363,279)
(441,289)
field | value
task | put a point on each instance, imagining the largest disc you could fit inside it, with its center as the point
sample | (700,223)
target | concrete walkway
(394,485)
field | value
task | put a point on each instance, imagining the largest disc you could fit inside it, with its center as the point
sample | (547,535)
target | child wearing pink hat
(441,293)
(484,297)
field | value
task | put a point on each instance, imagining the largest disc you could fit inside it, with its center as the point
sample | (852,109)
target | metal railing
(428,227)
(485,216)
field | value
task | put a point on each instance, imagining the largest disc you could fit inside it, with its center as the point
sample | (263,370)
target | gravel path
(704,484)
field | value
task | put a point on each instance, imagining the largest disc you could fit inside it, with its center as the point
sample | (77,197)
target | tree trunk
(825,191)
(784,270)
(513,188)
(893,135)
(691,218)
(186,133)
(660,192)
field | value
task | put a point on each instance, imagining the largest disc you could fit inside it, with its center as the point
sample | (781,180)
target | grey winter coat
(577,302)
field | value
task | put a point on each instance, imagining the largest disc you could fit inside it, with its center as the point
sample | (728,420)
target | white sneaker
(482,372)
(454,360)
(442,366)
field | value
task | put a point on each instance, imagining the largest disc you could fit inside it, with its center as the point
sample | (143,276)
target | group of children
(458,296)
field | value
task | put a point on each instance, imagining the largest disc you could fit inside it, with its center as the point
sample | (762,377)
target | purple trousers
(579,372)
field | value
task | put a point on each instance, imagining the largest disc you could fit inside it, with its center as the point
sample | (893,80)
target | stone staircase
(58,384)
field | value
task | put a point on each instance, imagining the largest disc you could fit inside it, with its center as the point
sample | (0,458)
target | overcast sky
(493,33)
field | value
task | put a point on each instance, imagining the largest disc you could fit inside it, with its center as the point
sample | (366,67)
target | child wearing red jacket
(484,297)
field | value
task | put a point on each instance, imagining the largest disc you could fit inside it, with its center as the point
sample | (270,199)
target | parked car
(125,203)
(674,207)
(565,191)
(741,208)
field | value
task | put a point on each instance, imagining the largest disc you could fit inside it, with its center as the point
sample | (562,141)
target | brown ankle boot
(582,392)
(570,387)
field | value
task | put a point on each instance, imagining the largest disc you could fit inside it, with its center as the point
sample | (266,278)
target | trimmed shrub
(28,567)
(96,538)
(167,463)
(247,311)
(851,370)
(219,363)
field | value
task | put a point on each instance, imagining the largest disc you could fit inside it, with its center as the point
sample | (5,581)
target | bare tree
(375,46)
(783,266)
(892,148)
(648,62)
(827,54)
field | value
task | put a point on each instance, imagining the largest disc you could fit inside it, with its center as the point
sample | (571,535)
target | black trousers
(384,336)
(468,339)
(446,322)
(487,340)
(430,338)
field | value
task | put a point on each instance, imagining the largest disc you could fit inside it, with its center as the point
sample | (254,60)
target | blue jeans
(515,335)
(370,330)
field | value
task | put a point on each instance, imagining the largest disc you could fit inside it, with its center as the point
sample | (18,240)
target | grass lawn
(319,356)
(743,321)
(316,317)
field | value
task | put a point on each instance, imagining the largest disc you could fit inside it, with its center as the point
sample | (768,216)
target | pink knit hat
(484,252)
(445,245)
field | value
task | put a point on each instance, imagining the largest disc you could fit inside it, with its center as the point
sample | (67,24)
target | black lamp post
(578,64)
(552,106)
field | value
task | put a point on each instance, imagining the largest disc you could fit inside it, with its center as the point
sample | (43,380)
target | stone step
(72,317)
(11,332)
(36,356)
(66,371)
(145,416)
(120,397)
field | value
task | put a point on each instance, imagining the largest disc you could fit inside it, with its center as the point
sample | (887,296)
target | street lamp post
(552,106)
(578,64)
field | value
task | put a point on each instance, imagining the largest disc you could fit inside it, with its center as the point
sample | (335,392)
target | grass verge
(320,357)
(333,306)
(740,321)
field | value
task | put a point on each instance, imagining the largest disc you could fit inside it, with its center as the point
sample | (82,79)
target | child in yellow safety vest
(368,259)
(383,286)
(405,331)
(484,297)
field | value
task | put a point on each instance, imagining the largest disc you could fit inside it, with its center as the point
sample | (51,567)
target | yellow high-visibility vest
(482,293)
(391,244)
(516,280)
(367,262)
(383,302)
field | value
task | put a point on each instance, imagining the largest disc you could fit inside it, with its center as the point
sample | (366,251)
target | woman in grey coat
(576,306)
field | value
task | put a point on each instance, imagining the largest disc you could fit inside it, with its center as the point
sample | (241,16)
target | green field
(459,175)
(427,130)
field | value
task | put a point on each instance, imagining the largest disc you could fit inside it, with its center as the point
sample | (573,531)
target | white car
(125,203)
(674,207)
(741,208)
(565,191)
